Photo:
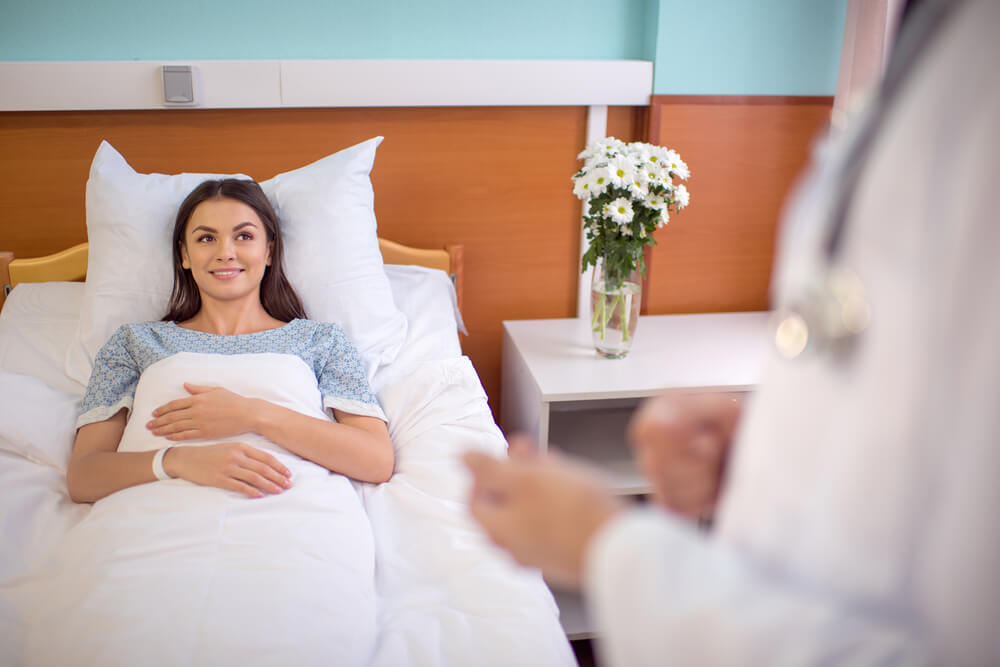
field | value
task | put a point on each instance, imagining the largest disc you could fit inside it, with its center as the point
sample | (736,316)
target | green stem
(611,311)
(604,314)
(599,319)
(625,314)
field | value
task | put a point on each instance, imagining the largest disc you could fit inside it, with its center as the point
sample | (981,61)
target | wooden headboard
(71,264)
(492,179)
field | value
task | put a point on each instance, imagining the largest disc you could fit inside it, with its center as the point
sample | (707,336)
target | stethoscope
(828,308)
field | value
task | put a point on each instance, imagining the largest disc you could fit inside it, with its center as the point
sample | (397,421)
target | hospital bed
(147,577)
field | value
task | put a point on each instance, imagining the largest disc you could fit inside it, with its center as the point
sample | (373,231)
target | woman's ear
(270,247)
(185,260)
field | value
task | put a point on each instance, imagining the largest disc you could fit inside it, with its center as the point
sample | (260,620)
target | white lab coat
(860,521)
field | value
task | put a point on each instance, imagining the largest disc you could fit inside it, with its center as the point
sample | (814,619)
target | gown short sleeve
(112,382)
(343,381)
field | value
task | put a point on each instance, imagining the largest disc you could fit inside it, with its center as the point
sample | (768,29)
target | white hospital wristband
(158,470)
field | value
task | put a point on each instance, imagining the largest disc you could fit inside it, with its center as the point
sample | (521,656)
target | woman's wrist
(171,460)
(261,416)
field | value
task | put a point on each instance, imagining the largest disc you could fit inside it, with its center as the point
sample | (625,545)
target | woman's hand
(209,412)
(681,442)
(230,465)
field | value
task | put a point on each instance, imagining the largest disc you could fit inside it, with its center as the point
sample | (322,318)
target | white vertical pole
(597,127)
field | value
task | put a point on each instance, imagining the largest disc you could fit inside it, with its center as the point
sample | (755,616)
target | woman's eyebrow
(206,228)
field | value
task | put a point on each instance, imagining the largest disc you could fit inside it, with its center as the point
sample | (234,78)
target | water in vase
(614,314)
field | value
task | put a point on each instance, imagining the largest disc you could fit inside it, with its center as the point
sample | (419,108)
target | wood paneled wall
(496,179)
(744,154)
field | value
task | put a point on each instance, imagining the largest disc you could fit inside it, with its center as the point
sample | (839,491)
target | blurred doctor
(857,519)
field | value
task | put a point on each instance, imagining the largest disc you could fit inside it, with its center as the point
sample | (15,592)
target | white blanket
(172,573)
(447,596)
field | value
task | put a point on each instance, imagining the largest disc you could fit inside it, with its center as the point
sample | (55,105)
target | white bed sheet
(444,595)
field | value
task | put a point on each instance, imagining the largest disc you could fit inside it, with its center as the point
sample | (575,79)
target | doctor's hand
(544,510)
(209,412)
(682,442)
(229,465)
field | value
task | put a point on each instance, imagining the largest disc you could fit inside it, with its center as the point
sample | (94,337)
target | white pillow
(332,257)
(37,324)
(427,298)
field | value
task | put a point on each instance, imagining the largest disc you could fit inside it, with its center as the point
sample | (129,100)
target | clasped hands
(216,412)
(546,509)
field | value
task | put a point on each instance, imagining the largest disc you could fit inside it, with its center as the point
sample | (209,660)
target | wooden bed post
(6,258)
(456,260)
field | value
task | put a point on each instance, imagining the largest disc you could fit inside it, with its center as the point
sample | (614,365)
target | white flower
(598,151)
(656,202)
(599,181)
(653,175)
(639,152)
(677,166)
(681,196)
(657,156)
(581,186)
(587,152)
(612,145)
(638,187)
(620,171)
(664,218)
(620,210)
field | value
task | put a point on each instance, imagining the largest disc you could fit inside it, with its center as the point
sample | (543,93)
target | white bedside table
(556,388)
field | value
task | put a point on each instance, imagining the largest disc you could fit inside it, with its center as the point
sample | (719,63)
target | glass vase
(614,310)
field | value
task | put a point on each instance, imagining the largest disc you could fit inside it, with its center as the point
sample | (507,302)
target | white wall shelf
(253,84)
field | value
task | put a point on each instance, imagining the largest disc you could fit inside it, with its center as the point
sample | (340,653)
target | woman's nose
(225,251)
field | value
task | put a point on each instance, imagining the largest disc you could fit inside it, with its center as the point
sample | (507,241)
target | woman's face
(226,248)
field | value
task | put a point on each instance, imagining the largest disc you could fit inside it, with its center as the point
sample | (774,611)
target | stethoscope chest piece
(827,316)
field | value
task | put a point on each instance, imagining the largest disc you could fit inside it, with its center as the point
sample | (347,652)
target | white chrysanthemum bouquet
(630,190)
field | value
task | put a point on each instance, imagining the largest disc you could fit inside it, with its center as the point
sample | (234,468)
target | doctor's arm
(660,591)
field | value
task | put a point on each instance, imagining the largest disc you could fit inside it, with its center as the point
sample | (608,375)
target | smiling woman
(219,250)
(231,303)
(230,221)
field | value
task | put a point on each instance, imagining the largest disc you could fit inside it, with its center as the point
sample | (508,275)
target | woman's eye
(205,238)
(245,236)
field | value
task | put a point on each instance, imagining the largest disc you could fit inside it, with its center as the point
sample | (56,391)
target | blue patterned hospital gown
(323,346)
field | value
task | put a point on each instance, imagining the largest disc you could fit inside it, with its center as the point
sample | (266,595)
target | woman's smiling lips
(226,274)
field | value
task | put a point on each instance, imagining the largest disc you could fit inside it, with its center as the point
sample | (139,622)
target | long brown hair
(276,293)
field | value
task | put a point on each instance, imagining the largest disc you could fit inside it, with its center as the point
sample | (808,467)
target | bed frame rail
(71,264)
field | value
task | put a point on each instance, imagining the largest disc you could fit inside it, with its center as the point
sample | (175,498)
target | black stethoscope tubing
(833,309)
(919,29)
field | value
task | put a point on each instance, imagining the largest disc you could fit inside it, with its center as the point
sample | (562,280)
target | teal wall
(748,47)
(783,47)
(219,29)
